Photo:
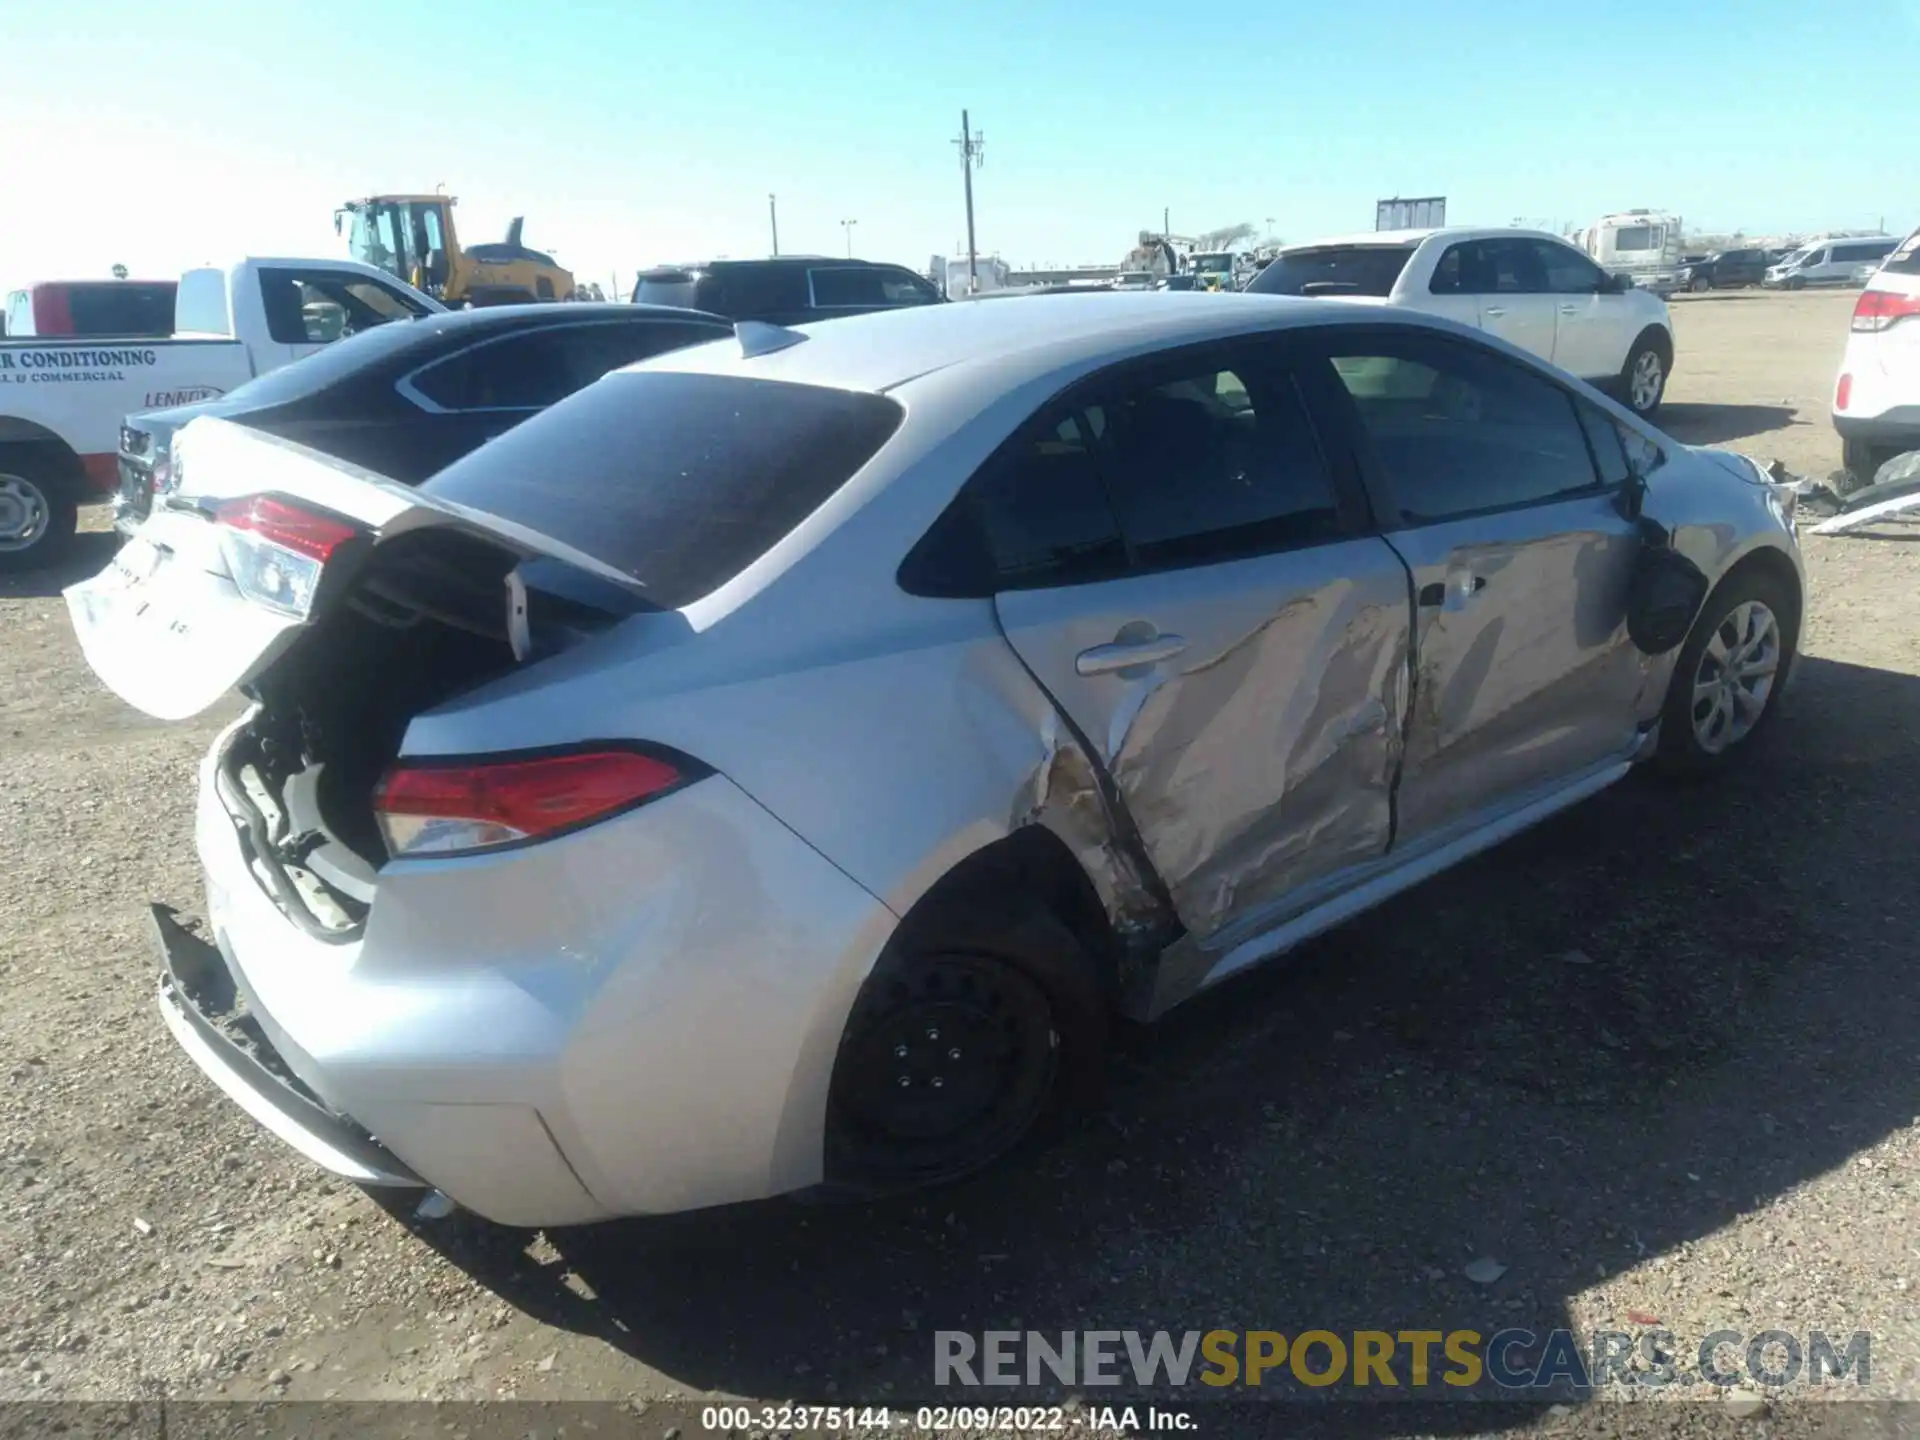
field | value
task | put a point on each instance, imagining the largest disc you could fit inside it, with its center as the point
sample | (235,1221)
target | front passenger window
(1460,431)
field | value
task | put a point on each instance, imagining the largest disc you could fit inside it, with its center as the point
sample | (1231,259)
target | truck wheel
(1643,379)
(1699,284)
(1797,283)
(38,513)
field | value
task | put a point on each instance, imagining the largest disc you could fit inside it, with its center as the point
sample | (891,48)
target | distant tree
(119,272)
(1225,236)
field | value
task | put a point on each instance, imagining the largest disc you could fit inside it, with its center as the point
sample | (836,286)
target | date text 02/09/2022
(939,1419)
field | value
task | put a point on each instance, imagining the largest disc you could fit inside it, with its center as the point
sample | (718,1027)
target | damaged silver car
(770,767)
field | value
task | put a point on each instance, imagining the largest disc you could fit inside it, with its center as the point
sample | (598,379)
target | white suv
(1876,397)
(1530,288)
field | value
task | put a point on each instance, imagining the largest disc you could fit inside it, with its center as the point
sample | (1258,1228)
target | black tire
(1862,462)
(1797,283)
(959,1050)
(1682,752)
(1699,285)
(1651,347)
(38,504)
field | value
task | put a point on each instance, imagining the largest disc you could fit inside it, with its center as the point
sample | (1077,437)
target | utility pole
(972,154)
(847,225)
(1166,220)
(773,219)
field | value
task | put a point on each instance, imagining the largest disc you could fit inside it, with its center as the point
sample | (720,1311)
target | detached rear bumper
(201,1005)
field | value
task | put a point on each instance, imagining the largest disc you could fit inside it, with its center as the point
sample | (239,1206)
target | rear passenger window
(1216,465)
(1036,516)
(1460,431)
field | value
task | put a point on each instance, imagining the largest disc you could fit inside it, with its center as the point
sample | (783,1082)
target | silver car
(770,767)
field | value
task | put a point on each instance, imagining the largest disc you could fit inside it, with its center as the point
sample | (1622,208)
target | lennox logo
(163,399)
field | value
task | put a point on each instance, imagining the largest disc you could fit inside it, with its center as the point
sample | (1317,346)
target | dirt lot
(1716,1121)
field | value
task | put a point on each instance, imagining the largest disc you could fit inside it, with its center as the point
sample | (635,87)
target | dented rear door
(1190,581)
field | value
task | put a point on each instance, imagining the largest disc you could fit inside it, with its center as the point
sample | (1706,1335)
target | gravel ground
(1660,1059)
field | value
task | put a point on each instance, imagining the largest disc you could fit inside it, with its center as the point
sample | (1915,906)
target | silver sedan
(772,766)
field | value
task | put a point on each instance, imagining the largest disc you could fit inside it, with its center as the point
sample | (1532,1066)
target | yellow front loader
(412,237)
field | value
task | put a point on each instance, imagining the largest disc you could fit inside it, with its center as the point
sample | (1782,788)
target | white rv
(1643,244)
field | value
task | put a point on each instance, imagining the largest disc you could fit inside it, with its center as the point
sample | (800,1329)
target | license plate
(136,562)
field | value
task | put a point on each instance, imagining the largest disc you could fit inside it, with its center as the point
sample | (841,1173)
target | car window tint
(1503,267)
(1567,271)
(1446,275)
(592,350)
(678,480)
(517,372)
(1220,463)
(1609,449)
(752,290)
(846,286)
(1333,270)
(1460,431)
(1906,259)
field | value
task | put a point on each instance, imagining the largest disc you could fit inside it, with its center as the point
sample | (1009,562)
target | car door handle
(1569,309)
(1494,310)
(1458,589)
(1125,654)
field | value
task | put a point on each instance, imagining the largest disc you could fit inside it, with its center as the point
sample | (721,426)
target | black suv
(1724,270)
(786,290)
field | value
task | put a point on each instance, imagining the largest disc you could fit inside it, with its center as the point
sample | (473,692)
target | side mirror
(437,267)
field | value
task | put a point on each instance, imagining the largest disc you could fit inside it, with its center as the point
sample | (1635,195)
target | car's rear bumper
(201,1005)
(1897,428)
(638,1018)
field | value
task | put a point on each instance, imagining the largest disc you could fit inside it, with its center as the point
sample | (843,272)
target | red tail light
(283,523)
(1843,391)
(1878,310)
(456,809)
(276,549)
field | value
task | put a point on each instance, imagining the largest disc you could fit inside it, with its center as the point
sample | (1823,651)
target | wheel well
(1662,341)
(997,882)
(25,442)
(1768,561)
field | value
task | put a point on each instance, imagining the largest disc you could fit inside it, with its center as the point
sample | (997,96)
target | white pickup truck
(62,401)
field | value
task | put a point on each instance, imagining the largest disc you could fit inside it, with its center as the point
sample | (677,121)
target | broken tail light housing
(445,808)
(276,549)
(1878,310)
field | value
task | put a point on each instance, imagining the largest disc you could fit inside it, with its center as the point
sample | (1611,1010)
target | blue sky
(630,133)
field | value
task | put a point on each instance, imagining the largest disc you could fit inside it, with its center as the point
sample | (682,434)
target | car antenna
(759,338)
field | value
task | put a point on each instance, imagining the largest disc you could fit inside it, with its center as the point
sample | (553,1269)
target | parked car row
(1116,644)
(1530,288)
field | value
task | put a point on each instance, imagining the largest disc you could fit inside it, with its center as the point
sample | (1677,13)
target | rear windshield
(1905,260)
(328,367)
(125,307)
(1334,270)
(680,481)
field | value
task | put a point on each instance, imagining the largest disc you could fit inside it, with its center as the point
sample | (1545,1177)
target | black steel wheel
(948,1066)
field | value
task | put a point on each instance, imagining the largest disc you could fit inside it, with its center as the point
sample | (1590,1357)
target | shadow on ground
(1583,1049)
(87,555)
(1714,424)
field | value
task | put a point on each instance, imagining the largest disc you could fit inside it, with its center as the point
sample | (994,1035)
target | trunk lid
(177,618)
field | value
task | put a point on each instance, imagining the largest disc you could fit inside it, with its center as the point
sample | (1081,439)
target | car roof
(1410,238)
(1022,336)
(489,318)
(770,262)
